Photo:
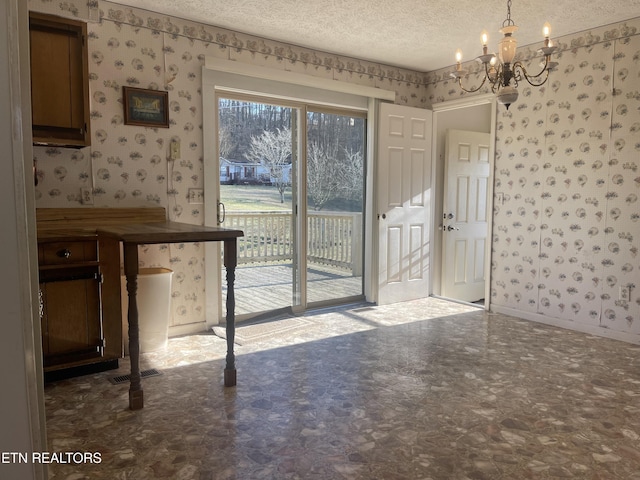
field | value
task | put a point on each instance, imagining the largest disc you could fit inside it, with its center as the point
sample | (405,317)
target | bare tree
(225,141)
(323,177)
(353,175)
(273,150)
(334,173)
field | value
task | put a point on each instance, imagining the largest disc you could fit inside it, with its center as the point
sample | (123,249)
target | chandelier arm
(498,73)
(531,79)
(471,90)
(538,84)
(487,71)
(544,67)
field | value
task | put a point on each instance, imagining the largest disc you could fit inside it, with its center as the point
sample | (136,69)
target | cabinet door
(71,323)
(59,80)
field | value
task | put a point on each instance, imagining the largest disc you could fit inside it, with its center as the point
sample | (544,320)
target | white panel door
(465,206)
(404,202)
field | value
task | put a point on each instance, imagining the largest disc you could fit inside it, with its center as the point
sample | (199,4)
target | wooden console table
(131,236)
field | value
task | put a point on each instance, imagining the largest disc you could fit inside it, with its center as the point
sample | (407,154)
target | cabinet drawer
(61,253)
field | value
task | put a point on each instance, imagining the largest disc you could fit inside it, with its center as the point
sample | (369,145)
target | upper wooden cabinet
(59,81)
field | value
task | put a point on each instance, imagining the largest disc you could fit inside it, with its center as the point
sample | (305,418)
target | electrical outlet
(625,293)
(195,195)
(86,196)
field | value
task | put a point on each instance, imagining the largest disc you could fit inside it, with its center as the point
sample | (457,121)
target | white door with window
(404,202)
(465,207)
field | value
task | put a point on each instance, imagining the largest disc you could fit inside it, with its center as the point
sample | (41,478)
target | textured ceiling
(419,35)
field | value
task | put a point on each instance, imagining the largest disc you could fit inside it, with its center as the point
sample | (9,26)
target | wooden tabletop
(168,232)
(66,235)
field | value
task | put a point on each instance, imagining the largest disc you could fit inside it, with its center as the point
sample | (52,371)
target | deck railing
(332,238)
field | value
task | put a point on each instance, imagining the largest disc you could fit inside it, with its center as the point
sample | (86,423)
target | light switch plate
(625,293)
(174,148)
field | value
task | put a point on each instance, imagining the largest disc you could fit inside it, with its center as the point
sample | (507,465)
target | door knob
(449,228)
(384,215)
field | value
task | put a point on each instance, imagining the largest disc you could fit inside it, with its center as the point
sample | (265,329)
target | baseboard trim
(557,322)
(188,329)
(79,370)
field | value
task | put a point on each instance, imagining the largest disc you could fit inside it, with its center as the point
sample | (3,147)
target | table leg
(230,262)
(136,395)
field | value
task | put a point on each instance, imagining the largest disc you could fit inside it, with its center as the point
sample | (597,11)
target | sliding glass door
(335,205)
(298,199)
(258,148)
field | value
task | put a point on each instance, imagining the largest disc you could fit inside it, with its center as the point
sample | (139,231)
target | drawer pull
(64,253)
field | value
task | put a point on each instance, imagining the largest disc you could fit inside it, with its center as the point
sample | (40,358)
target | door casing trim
(458,104)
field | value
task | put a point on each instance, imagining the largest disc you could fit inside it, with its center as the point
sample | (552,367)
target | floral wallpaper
(565,239)
(567,235)
(129,166)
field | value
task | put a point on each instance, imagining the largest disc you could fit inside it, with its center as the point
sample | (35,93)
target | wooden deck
(261,288)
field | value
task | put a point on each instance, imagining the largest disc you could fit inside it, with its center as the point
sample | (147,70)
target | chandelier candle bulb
(546,31)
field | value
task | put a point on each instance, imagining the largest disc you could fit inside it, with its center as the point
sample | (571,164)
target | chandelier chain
(508,21)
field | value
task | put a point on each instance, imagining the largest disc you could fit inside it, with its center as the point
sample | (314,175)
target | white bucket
(153,299)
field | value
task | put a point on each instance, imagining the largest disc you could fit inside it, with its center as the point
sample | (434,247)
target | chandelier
(500,70)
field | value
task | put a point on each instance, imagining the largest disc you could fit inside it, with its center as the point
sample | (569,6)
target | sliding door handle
(222,213)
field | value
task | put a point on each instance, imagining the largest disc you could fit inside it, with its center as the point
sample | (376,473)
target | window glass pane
(335,199)
(257,187)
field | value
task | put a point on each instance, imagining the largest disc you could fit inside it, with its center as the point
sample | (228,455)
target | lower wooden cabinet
(71,320)
(77,280)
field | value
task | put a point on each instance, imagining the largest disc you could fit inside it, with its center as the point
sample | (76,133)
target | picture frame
(146,108)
